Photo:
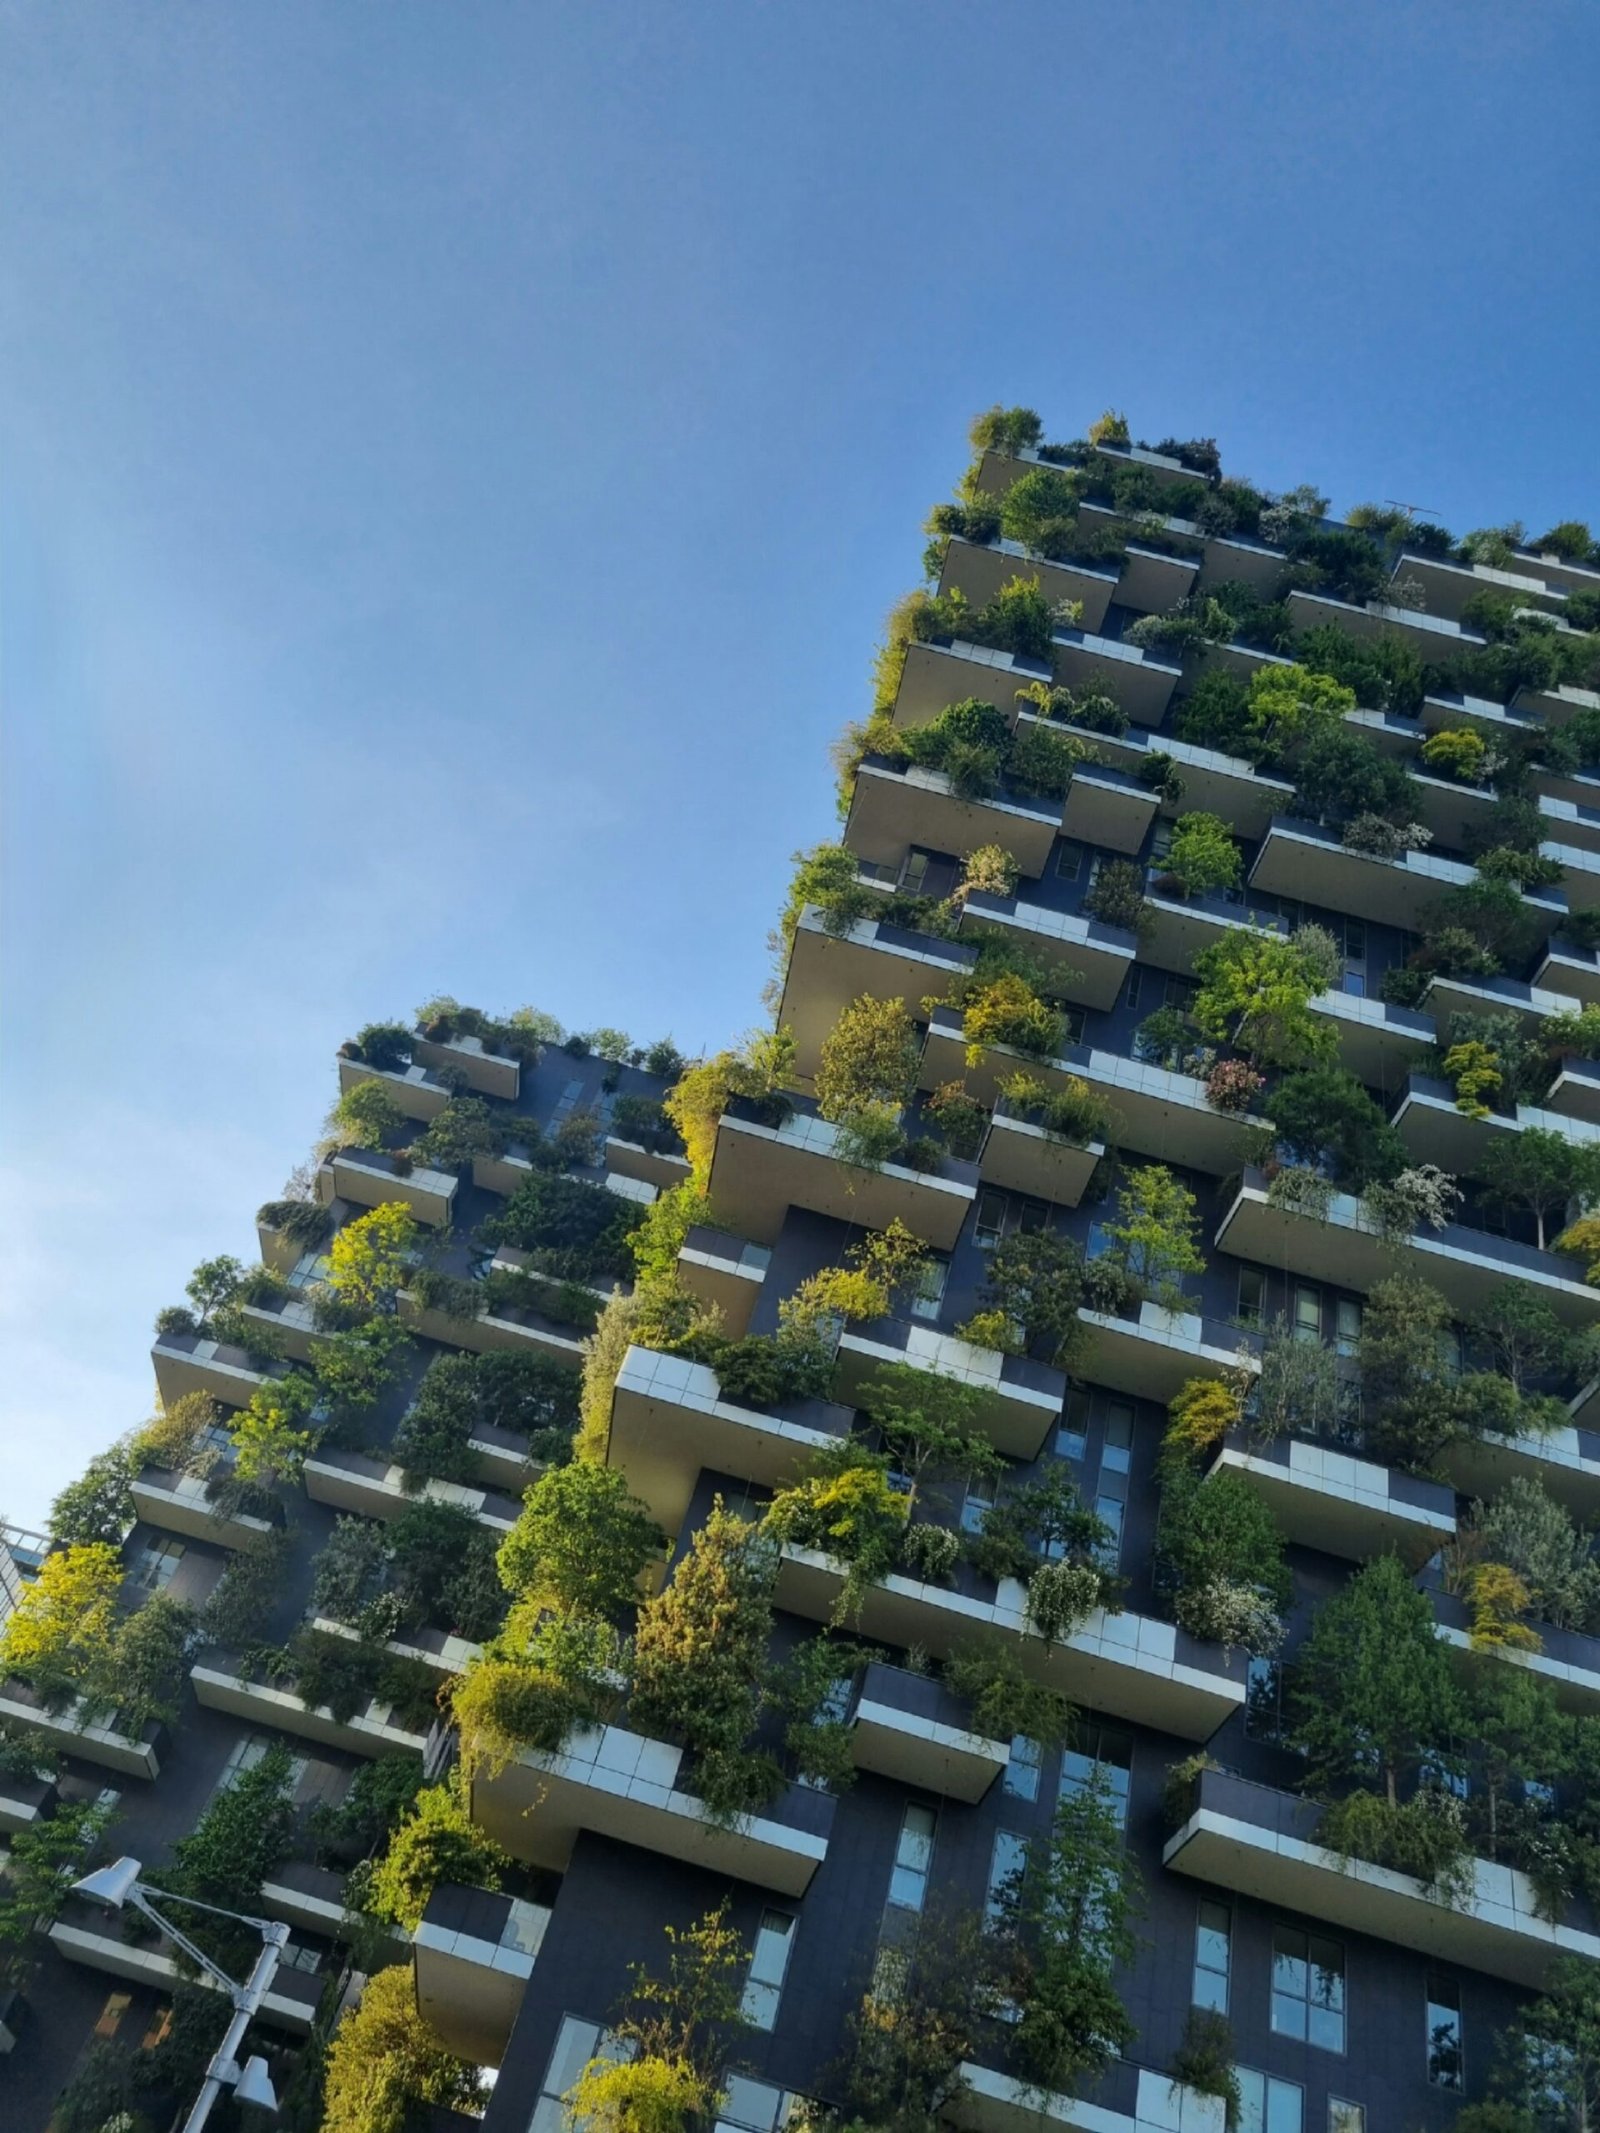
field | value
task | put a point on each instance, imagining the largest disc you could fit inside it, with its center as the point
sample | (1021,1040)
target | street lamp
(119,1884)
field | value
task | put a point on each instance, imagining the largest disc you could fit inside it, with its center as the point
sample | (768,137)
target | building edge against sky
(1050,1497)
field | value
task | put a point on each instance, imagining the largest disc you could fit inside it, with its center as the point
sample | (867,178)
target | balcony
(1571,971)
(1449,811)
(486,1073)
(1153,579)
(1020,1399)
(1434,1131)
(371,1178)
(659,1168)
(1325,1498)
(291,1322)
(1019,1156)
(669,1423)
(350,1481)
(472,1957)
(1565,1462)
(1217,784)
(1492,996)
(1140,681)
(938,675)
(220,1686)
(1262,1843)
(1574,1094)
(1130,2099)
(1448,587)
(1182,926)
(1556,572)
(514,1326)
(1432,637)
(1153,1353)
(1129,1666)
(1240,660)
(1107,808)
(81,1935)
(1158,1113)
(726,1271)
(893,809)
(193,1362)
(1165,471)
(90,1740)
(1222,558)
(1555,706)
(1567,1661)
(1495,721)
(620,1785)
(179,1503)
(1574,824)
(441,1649)
(1087,962)
(312,1899)
(828,970)
(980,568)
(1377,1042)
(1345,1250)
(759,1172)
(1307,861)
(417,1093)
(910,1728)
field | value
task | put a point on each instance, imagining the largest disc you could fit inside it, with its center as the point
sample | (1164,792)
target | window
(1025,1768)
(976,1505)
(295,1957)
(153,1565)
(1072,1021)
(1180,993)
(566,1103)
(1117,1447)
(928,1294)
(309,1270)
(753,2106)
(1267,2105)
(914,873)
(1355,983)
(1131,991)
(1446,2060)
(1263,1699)
(214,1438)
(1307,1312)
(1072,1434)
(999,1213)
(913,1856)
(1110,1510)
(1308,1988)
(246,1753)
(1161,845)
(1345,2117)
(1006,1862)
(1252,1296)
(576,2044)
(1102,1749)
(1069,860)
(1346,1325)
(764,1986)
(1213,1941)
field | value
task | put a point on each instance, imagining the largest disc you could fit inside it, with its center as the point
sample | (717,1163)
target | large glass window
(1072,1433)
(1111,1510)
(1446,2059)
(1267,2105)
(1106,1749)
(1024,1769)
(1345,2117)
(1116,1447)
(1213,1953)
(576,2044)
(154,1564)
(1252,1296)
(1263,1699)
(764,1986)
(1069,859)
(976,1505)
(1308,1988)
(1006,1862)
(913,1857)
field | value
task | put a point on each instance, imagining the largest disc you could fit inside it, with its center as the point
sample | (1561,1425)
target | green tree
(1203,855)
(1549,2070)
(1324,1116)
(356,1368)
(383,2058)
(1256,990)
(1036,1279)
(213,1283)
(931,1425)
(1522,1334)
(681,2027)
(868,1060)
(274,1436)
(1374,1690)
(1288,707)
(1407,1372)
(1532,1534)
(1536,1172)
(370,1258)
(366,1115)
(243,1835)
(41,1866)
(1155,1237)
(919,2021)
(438,1841)
(98,1506)
(581,1542)
(142,1668)
(58,1633)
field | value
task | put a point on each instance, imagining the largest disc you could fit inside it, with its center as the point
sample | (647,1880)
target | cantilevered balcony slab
(290,1322)
(1142,682)
(417,1092)
(82,1936)
(1345,1249)
(372,1179)
(27,1799)
(1154,1352)
(1129,1666)
(1565,1462)
(1019,1156)
(1436,1131)
(376,1489)
(1088,963)
(759,1172)
(1165,471)
(1452,813)
(441,1649)
(472,1957)
(485,1072)
(893,809)
(1580,873)
(1532,1004)
(1432,637)
(1567,1661)
(1217,784)
(1571,822)
(828,970)
(519,1330)
(1555,570)
(1307,861)
(1448,587)
(1240,660)
(1555,706)
(311,1898)
(74,1731)
(1157,1112)
(1325,1498)
(980,568)
(670,1423)
(1020,1399)
(1134,2099)
(1152,579)
(910,1728)
(1572,971)
(938,675)
(620,1785)
(1377,1042)
(1107,808)
(193,1362)
(220,1686)
(1260,1842)
(1493,720)
(659,1168)
(726,1271)
(1180,928)
(179,1503)
(1573,1098)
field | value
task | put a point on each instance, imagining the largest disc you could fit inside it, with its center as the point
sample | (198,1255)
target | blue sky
(457,461)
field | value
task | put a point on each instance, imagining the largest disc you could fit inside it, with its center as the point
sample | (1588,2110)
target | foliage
(244,1833)
(1255,992)
(1549,2070)
(41,1865)
(571,1229)
(1475,1073)
(383,2058)
(678,2028)
(438,1841)
(1117,898)
(1232,1086)
(1007,1010)
(581,1542)
(1537,1171)
(1226,1558)
(1498,1599)
(1422,1836)
(920,2019)
(274,1435)
(98,1506)
(56,1635)
(1073,1112)
(960,1118)
(868,1060)
(1458,752)
(1206,2061)
(1155,1238)
(1036,1278)
(1406,1380)
(929,1423)
(1297,1387)
(1374,837)
(1582,1238)
(535,1699)
(763,1067)
(929,1552)
(1421,1197)
(1062,1597)
(1325,1117)
(1200,1414)
(1533,1535)
(1203,855)
(846,1508)
(1006,1701)
(142,1671)
(370,1257)
(366,1115)
(251,1581)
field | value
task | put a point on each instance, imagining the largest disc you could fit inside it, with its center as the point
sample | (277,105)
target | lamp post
(119,1884)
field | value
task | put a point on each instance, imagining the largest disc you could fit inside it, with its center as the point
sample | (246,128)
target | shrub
(1117,896)
(438,1841)
(1422,1837)
(386,1045)
(848,1511)
(929,1552)
(1005,429)
(993,1329)
(1324,1117)
(1203,855)
(366,1115)
(1006,1700)
(1007,1010)
(581,1542)
(1110,428)
(961,1119)
(1074,1112)
(869,1060)
(1256,990)
(1062,1597)
(382,2059)
(1422,1197)
(1155,1236)
(1233,1086)
(1205,2060)
(503,1706)
(1457,752)
(1200,1414)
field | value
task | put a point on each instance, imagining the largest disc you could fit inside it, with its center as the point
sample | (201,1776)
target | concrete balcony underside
(938,675)
(1436,1131)
(1325,1498)
(1571,971)
(620,1785)
(376,1489)
(486,1073)
(1303,861)
(1179,928)
(1087,963)
(1129,1666)
(290,2005)
(1565,1462)
(759,1172)
(1261,1843)
(892,810)
(91,1740)
(178,1503)
(491,1330)
(368,1732)
(1019,1156)
(1213,783)
(1378,1043)
(416,1093)
(1142,2101)
(924,1753)
(1433,637)
(662,1168)
(727,1271)
(827,971)
(186,1363)
(1020,1400)
(1153,1353)
(472,1957)
(1107,809)
(980,568)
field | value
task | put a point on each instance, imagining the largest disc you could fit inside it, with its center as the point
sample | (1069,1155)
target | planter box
(290,2005)
(1330,1499)
(375,1489)
(368,1179)
(189,1362)
(417,1094)
(88,1740)
(486,1073)
(472,1956)
(368,1732)
(177,1503)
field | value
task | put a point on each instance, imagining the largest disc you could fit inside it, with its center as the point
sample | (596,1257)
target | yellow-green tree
(370,1257)
(64,1621)
(384,2058)
(271,1439)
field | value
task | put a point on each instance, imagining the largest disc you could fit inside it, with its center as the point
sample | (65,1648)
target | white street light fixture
(119,1884)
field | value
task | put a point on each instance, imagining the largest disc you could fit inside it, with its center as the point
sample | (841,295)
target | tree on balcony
(365,1116)
(1155,1238)
(869,1060)
(677,2031)
(930,1425)
(933,1988)
(1537,1539)
(1537,1172)
(274,1436)
(1325,1117)
(437,1842)
(57,1635)
(1203,856)
(370,1257)
(581,1542)
(383,2058)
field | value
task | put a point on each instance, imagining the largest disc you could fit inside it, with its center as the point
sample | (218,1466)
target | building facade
(1159,1224)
